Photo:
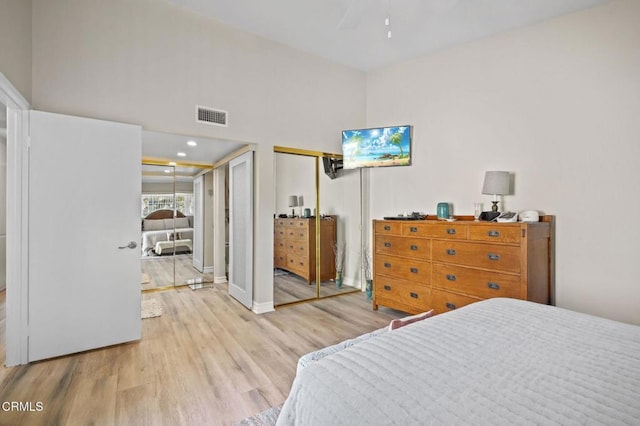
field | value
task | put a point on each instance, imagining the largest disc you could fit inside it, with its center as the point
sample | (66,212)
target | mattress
(498,362)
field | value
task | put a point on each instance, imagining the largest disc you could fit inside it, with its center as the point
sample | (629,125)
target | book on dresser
(440,265)
(294,249)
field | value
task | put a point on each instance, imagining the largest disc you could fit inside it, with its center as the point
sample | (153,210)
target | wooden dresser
(430,264)
(295,247)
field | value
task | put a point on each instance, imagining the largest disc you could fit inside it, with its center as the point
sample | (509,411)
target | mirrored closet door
(157,226)
(341,201)
(316,227)
(176,248)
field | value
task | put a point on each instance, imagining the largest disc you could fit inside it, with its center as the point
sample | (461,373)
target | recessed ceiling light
(167,171)
(192,143)
(182,154)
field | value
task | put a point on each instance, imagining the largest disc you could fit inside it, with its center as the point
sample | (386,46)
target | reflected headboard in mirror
(164,214)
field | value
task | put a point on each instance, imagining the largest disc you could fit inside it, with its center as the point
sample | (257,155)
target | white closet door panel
(84,203)
(241,228)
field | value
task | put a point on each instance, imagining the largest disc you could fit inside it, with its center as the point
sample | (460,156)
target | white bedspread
(496,362)
(150,238)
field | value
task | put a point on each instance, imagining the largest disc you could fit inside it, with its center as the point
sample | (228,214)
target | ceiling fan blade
(353,15)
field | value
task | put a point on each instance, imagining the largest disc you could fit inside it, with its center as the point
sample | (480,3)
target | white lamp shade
(496,183)
(293,201)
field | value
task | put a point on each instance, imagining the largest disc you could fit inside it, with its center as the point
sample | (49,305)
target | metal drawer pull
(413,229)
(450,305)
(414,247)
(387,287)
(414,295)
(387,265)
(493,286)
(451,277)
(387,244)
(493,256)
(414,270)
(451,231)
(387,228)
(493,233)
(451,252)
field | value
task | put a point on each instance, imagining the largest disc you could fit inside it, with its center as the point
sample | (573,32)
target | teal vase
(339,280)
(369,289)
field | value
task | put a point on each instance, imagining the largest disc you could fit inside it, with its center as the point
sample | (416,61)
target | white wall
(150,62)
(295,175)
(15,44)
(557,104)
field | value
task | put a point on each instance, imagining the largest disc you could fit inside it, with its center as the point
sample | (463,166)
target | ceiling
(164,147)
(353,32)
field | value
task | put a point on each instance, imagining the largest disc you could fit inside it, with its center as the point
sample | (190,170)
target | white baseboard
(207,270)
(220,280)
(262,308)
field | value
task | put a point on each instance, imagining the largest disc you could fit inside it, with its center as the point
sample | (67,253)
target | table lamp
(293,202)
(496,183)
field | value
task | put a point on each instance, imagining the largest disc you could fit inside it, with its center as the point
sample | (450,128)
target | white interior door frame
(17,227)
(198,223)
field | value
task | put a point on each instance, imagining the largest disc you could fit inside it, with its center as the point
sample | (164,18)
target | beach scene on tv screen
(385,146)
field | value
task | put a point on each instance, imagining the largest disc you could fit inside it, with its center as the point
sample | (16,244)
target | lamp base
(494,207)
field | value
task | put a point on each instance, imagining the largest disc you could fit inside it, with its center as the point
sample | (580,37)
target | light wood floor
(160,271)
(206,361)
(288,288)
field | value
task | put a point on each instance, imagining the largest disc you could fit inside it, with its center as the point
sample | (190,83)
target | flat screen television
(377,147)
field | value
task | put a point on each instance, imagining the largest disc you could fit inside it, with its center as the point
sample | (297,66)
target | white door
(241,228)
(198,223)
(84,207)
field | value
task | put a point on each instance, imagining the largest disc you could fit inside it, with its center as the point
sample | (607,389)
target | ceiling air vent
(211,116)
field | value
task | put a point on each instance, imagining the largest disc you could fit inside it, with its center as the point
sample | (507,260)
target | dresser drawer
(448,230)
(389,228)
(474,282)
(280,244)
(419,248)
(297,263)
(408,269)
(393,292)
(489,256)
(280,259)
(298,248)
(280,233)
(496,233)
(443,301)
(296,234)
(280,222)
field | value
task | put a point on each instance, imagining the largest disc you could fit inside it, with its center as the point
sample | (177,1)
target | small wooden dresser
(430,264)
(295,247)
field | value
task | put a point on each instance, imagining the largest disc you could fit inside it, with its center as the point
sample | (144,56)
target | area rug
(145,278)
(265,418)
(151,308)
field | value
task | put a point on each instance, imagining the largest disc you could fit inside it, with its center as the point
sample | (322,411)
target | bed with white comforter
(495,362)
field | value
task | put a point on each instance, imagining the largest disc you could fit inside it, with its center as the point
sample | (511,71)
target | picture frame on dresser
(429,264)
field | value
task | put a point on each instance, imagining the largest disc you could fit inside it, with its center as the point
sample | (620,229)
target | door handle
(131,245)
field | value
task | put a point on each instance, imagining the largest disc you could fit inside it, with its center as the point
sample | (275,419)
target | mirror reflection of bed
(170,231)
